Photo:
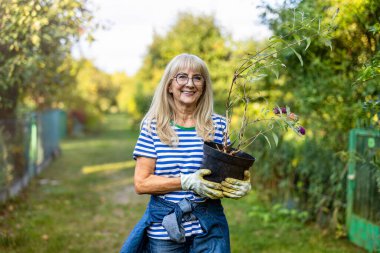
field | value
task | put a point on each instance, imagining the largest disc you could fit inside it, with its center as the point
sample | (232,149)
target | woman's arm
(148,183)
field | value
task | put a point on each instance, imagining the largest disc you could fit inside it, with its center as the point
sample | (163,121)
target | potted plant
(228,159)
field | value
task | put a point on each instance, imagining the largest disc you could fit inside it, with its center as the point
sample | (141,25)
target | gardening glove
(235,188)
(195,182)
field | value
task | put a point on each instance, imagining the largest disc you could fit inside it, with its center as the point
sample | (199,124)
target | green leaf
(257,77)
(329,44)
(298,55)
(308,41)
(275,138)
(297,38)
(275,72)
(276,39)
(287,110)
(266,138)
(35,40)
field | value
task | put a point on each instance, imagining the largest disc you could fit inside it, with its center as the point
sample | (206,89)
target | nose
(192,82)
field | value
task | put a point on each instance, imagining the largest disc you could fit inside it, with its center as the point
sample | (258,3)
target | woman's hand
(235,188)
(199,185)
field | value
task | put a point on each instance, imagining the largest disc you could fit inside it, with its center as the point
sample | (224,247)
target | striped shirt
(186,158)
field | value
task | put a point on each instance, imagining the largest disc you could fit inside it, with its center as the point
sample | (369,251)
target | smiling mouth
(188,92)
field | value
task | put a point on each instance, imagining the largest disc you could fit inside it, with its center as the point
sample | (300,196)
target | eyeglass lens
(183,79)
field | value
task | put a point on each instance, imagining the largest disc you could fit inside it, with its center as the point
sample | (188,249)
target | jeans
(169,246)
(210,214)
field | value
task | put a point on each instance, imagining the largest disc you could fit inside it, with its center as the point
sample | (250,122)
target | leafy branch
(265,61)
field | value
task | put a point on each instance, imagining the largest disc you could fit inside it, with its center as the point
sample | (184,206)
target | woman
(185,212)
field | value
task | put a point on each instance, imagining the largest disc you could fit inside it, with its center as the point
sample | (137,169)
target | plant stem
(251,62)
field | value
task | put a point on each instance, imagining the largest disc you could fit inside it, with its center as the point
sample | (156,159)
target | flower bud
(293,116)
(301,130)
(277,110)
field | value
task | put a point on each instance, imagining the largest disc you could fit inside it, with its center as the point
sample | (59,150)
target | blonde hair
(162,108)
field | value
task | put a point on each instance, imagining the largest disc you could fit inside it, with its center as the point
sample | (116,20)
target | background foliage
(334,91)
(329,91)
(35,43)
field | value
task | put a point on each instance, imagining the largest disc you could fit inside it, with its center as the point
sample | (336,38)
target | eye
(198,78)
(182,76)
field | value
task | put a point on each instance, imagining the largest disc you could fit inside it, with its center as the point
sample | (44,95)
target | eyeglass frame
(188,78)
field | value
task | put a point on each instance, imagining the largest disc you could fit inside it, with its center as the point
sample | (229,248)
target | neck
(184,117)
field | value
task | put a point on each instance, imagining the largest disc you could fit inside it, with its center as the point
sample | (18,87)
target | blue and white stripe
(185,158)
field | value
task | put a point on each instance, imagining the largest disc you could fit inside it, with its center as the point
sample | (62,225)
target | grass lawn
(85,202)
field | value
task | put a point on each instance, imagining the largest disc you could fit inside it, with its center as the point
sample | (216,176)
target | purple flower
(277,110)
(301,130)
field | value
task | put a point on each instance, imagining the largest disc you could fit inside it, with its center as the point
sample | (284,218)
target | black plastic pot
(223,165)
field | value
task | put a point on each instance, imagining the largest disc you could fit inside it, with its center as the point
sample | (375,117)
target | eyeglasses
(183,79)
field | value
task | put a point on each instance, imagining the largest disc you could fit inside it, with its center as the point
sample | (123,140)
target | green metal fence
(26,146)
(363,199)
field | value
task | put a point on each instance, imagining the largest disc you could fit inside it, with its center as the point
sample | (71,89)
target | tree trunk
(8,109)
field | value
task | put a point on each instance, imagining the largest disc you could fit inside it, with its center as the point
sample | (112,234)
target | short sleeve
(145,144)
(220,129)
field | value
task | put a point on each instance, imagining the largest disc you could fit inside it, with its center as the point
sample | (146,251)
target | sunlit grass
(83,202)
(108,166)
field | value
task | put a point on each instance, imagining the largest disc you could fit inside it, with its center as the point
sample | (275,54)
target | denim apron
(215,236)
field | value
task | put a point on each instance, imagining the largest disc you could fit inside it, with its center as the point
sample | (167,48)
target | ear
(170,89)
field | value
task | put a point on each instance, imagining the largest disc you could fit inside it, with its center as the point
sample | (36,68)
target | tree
(35,42)
(199,35)
(97,87)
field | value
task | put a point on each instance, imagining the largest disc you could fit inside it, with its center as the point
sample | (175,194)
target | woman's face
(187,87)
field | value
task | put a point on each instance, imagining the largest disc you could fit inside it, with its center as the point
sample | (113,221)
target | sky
(131,24)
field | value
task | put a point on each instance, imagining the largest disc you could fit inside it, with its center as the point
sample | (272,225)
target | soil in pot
(223,165)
